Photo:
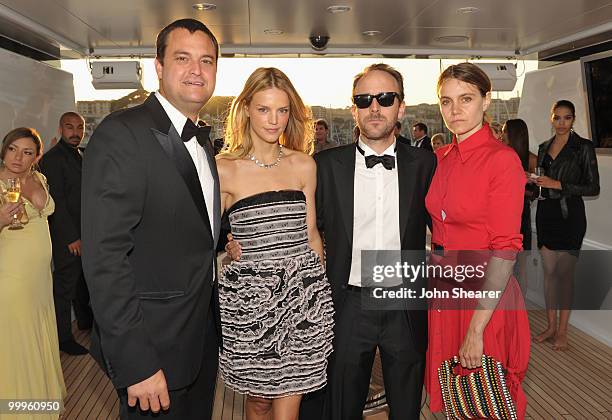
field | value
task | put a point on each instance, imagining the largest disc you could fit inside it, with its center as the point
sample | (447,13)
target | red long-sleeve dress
(475,201)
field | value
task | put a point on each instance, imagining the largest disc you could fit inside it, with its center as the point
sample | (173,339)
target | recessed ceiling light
(371,33)
(467,10)
(451,39)
(338,9)
(204,6)
(273,32)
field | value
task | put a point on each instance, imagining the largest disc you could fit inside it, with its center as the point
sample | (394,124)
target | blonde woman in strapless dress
(275,303)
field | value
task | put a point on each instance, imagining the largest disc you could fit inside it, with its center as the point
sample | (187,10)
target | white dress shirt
(198,155)
(376,209)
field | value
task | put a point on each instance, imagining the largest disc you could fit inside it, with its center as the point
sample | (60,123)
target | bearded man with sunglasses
(371,196)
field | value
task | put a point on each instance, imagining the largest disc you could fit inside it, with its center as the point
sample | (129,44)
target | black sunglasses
(383,98)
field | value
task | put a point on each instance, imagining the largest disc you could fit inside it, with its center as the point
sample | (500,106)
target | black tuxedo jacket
(426,144)
(148,248)
(62,167)
(335,205)
(401,139)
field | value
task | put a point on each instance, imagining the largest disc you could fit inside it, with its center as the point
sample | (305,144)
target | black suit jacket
(335,206)
(62,167)
(148,248)
(401,139)
(426,144)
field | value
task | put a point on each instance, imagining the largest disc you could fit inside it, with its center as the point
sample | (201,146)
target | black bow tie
(388,161)
(190,130)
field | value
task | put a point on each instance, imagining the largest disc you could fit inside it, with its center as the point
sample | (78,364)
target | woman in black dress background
(570,172)
(516,135)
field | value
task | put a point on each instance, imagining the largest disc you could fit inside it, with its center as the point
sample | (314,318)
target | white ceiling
(407,27)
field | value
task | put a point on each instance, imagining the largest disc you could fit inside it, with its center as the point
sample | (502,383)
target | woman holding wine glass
(9,210)
(29,350)
(570,172)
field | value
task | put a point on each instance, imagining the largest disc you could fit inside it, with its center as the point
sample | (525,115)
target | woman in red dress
(475,201)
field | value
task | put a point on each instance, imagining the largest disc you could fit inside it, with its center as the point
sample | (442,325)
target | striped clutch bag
(482,394)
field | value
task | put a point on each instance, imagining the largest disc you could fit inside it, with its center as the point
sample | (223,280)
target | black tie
(190,130)
(388,161)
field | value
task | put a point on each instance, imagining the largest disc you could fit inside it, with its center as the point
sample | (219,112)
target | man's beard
(378,133)
(69,142)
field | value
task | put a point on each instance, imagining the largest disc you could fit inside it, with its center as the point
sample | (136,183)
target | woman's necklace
(268,165)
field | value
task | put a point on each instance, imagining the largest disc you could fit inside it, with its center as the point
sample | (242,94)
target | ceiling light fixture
(338,9)
(273,32)
(467,10)
(371,33)
(204,6)
(451,39)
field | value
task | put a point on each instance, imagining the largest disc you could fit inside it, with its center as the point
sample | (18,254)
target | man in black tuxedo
(151,218)
(62,166)
(371,195)
(420,137)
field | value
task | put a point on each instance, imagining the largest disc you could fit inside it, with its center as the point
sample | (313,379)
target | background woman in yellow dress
(29,351)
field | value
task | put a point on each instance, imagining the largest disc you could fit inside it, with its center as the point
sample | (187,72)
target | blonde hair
(438,136)
(298,134)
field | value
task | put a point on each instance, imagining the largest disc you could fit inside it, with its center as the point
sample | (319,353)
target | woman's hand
(531,177)
(470,353)
(7,213)
(546,182)
(233,248)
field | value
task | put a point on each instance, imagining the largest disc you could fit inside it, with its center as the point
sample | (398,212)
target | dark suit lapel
(170,141)
(210,155)
(344,177)
(406,179)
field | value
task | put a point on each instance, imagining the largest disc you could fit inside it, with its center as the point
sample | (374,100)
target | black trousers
(69,290)
(358,332)
(195,401)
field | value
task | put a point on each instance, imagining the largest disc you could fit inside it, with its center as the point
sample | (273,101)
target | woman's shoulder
(226,164)
(297,157)
(222,158)
(544,145)
(41,179)
(503,156)
(40,176)
(226,159)
(584,142)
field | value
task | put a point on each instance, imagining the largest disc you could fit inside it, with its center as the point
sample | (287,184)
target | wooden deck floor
(576,384)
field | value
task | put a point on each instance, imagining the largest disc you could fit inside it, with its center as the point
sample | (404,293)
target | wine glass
(539,171)
(12,194)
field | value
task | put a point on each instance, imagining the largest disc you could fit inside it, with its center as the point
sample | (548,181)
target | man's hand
(152,393)
(75,248)
(233,248)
